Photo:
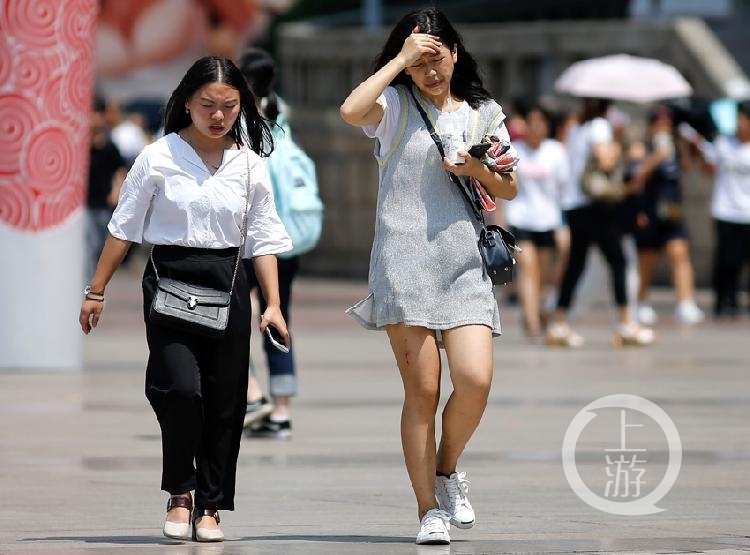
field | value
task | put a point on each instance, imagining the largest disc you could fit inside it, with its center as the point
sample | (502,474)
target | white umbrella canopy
(623,77)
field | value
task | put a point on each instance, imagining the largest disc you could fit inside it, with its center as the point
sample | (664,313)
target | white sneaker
(451,495)
(646,314)
(433,528)
(688,312)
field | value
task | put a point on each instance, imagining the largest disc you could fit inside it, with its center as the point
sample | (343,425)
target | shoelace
(435,521)
(458,488)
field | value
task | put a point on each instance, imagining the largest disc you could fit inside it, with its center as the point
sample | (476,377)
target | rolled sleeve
(266,233)
(136,194)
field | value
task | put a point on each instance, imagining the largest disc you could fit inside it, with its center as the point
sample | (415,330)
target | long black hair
(217,69)
(594,108)
(259,70)
(466,82)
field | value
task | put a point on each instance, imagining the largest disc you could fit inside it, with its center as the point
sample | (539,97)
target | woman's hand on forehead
(418,45)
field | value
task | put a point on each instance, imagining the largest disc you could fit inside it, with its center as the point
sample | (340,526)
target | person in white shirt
(130,137)
(186,194)
(593,222)
(728,158)
(535,214)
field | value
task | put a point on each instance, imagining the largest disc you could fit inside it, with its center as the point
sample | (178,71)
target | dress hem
(369,324)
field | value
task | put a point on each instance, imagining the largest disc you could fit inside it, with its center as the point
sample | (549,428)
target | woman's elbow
(348,114)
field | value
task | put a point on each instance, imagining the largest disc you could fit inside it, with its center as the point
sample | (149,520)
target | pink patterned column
(46,79)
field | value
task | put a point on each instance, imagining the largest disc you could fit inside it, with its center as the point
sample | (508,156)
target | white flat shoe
(201,534)
(178,530)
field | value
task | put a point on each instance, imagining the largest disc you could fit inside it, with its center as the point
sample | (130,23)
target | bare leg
(528,287)
(678,255)
(281,407)
(469,351)
(562,246)
(646,264)
(418,359)
(254,392)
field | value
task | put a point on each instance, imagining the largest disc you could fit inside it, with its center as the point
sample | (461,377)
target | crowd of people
(555,219)
(203,196)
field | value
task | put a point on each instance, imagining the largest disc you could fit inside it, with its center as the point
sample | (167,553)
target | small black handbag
(193,308)
(496,245)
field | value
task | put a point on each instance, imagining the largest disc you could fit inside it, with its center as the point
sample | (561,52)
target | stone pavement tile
(80,451)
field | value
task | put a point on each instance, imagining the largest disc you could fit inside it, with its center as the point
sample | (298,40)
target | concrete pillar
(46,77)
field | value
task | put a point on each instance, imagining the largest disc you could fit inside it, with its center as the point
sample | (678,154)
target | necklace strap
(198,152)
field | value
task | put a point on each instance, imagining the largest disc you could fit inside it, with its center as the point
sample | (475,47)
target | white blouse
(170,198)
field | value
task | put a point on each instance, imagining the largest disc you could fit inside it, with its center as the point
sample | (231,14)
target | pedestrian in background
(535,214)
(107,170)
(427,280)
(728,159)
(264,418)
(591,221)
(659,221)
(187,195)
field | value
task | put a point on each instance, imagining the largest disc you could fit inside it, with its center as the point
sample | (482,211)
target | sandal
(178,530)
(632,334)
(559,334)
(201,534)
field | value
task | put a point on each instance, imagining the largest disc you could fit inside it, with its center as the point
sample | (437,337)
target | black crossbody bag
(193,308)
(496,245)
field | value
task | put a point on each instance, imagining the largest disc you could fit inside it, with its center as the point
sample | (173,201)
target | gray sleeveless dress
(425,266)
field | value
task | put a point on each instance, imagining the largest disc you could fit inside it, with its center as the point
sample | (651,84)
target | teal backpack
(295,190)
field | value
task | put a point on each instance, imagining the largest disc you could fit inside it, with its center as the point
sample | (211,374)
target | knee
(423,392)
(475,382)
(422,387)
(178,394)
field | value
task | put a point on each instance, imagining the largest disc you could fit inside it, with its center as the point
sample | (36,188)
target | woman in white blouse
(186,195)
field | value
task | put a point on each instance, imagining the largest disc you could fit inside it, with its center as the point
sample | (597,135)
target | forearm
(638,182)
(498,185)
(113,253)
(266,270)
(360,105)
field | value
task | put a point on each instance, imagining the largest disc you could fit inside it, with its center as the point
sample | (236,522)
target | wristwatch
(87,291)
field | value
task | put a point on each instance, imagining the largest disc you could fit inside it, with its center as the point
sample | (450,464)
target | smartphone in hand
(479,150)
(276,340)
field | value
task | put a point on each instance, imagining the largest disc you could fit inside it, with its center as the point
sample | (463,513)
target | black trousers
(196,385)
(597,224)
(731,254)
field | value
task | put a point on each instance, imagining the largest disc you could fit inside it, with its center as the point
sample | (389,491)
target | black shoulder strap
(468,191)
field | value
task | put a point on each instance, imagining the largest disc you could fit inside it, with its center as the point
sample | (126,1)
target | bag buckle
(192,302)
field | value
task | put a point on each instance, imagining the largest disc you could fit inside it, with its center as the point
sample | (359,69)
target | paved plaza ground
(80,452)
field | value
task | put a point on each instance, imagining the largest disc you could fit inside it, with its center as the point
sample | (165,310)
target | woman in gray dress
(427,281)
